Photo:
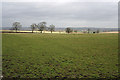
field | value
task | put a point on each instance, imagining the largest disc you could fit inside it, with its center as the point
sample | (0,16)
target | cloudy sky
(61,14)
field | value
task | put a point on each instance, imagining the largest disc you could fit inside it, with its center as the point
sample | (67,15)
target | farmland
(60,55)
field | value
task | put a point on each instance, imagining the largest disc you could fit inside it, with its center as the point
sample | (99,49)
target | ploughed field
(60,55)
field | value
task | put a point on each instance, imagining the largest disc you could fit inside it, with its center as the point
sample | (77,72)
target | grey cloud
(98,14)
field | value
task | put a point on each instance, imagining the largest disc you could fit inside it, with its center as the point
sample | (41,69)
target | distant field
(60,55)
(7,31)
(63,32)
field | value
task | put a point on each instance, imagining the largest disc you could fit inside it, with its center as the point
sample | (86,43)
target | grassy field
(60,55)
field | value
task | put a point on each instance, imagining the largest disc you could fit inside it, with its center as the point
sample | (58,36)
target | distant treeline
(42,27)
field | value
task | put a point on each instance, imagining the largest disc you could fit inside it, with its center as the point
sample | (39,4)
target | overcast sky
(61,14)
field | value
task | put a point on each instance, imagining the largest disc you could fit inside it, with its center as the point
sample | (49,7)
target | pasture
(60,55)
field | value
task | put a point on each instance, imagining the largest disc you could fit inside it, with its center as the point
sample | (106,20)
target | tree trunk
(16,30)
(41,31)
(51,31)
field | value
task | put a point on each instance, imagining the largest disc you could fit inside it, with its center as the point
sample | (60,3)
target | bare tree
(16,26)
(97,31)
(69,30)
(33,27)
(52,28)
(88,30)
(42,26)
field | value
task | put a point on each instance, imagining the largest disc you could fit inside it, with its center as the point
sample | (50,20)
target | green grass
(60,55)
